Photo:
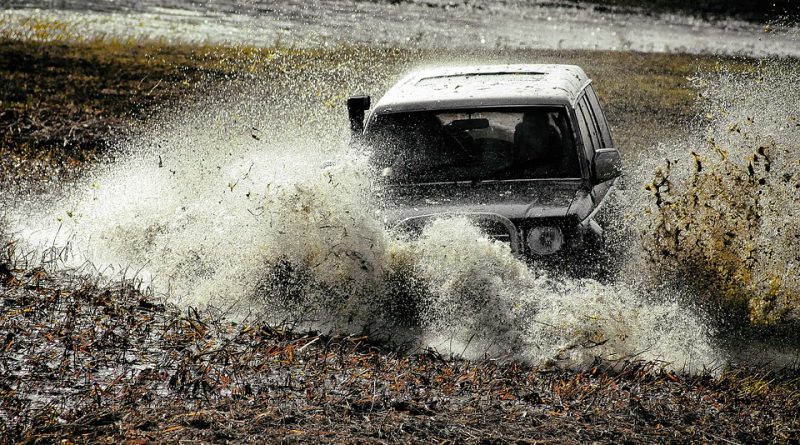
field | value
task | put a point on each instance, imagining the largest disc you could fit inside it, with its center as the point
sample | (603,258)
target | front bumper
(579,236)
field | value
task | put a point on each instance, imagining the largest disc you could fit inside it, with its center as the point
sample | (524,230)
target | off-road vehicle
(523,150)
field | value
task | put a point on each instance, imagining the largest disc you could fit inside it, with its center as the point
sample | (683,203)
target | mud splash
(229,206)
(487,304)
(209,216)
(722,209)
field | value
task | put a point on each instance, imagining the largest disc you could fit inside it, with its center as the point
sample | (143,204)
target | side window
(592,142)
(588,146)
(602,124)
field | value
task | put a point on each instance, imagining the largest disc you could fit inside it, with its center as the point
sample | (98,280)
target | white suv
(524,150)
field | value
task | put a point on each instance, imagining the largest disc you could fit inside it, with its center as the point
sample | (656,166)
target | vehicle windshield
(474,145)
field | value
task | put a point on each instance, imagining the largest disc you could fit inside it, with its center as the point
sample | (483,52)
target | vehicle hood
(511,199)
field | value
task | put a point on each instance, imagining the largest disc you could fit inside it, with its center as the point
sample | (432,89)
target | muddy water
(222,229)
(473,24)
(728,221)
(225,204)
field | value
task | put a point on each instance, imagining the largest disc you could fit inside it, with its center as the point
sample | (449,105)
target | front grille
(495,230)
(495,226)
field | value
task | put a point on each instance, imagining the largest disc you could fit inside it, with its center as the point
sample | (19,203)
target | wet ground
(111,365)
(431,23)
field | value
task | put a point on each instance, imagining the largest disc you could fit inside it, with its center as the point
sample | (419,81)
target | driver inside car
(538,144)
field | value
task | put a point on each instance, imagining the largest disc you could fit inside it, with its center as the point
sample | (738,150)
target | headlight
(545,240)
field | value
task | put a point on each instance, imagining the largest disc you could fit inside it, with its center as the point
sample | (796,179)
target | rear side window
(589,132)
(597,111)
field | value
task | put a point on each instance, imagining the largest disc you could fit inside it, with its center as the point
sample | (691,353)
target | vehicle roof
(484,86)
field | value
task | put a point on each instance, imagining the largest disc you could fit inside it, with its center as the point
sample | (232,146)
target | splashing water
(722,209)
(209,208)
(486,303)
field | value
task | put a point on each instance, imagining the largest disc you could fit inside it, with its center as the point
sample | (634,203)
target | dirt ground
(107,364)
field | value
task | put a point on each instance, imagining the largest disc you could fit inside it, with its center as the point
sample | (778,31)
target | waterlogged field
(191,250)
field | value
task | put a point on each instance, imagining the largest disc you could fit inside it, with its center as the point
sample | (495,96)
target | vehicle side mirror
(356,108)
(606,165)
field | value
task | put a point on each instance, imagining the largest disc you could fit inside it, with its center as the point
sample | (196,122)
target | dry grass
(108,364)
